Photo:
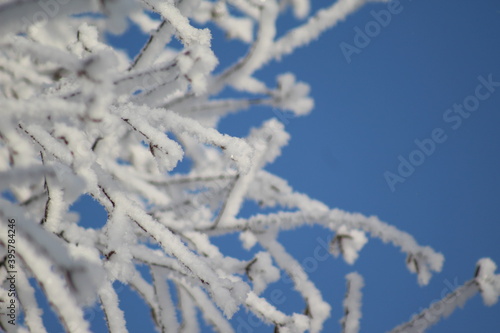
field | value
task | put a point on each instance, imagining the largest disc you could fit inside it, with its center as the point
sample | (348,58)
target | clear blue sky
(395,90)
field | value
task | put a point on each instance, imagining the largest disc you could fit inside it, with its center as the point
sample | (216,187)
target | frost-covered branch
(421,259)
(352,303)
(485,281)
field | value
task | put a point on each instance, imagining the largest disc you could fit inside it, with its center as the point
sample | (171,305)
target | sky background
(367,113)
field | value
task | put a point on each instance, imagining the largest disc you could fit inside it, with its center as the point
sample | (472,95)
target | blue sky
(369,110)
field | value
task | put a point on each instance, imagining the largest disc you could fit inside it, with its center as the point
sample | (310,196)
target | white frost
(81,118)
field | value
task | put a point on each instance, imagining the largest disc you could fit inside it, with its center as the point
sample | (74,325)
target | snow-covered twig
(485,282)
(352,303)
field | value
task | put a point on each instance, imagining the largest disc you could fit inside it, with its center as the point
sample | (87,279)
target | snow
(348,243)
(168,318)
(352,303)
(489,282)
(115,316)
(262,272)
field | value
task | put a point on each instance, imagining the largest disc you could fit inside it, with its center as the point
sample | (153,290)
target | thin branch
(440,309)
(352,303)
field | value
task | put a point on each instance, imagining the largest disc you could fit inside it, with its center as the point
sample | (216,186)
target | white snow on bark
(488,281)
(352,303)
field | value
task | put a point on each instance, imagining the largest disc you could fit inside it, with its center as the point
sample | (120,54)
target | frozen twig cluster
(81,118)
